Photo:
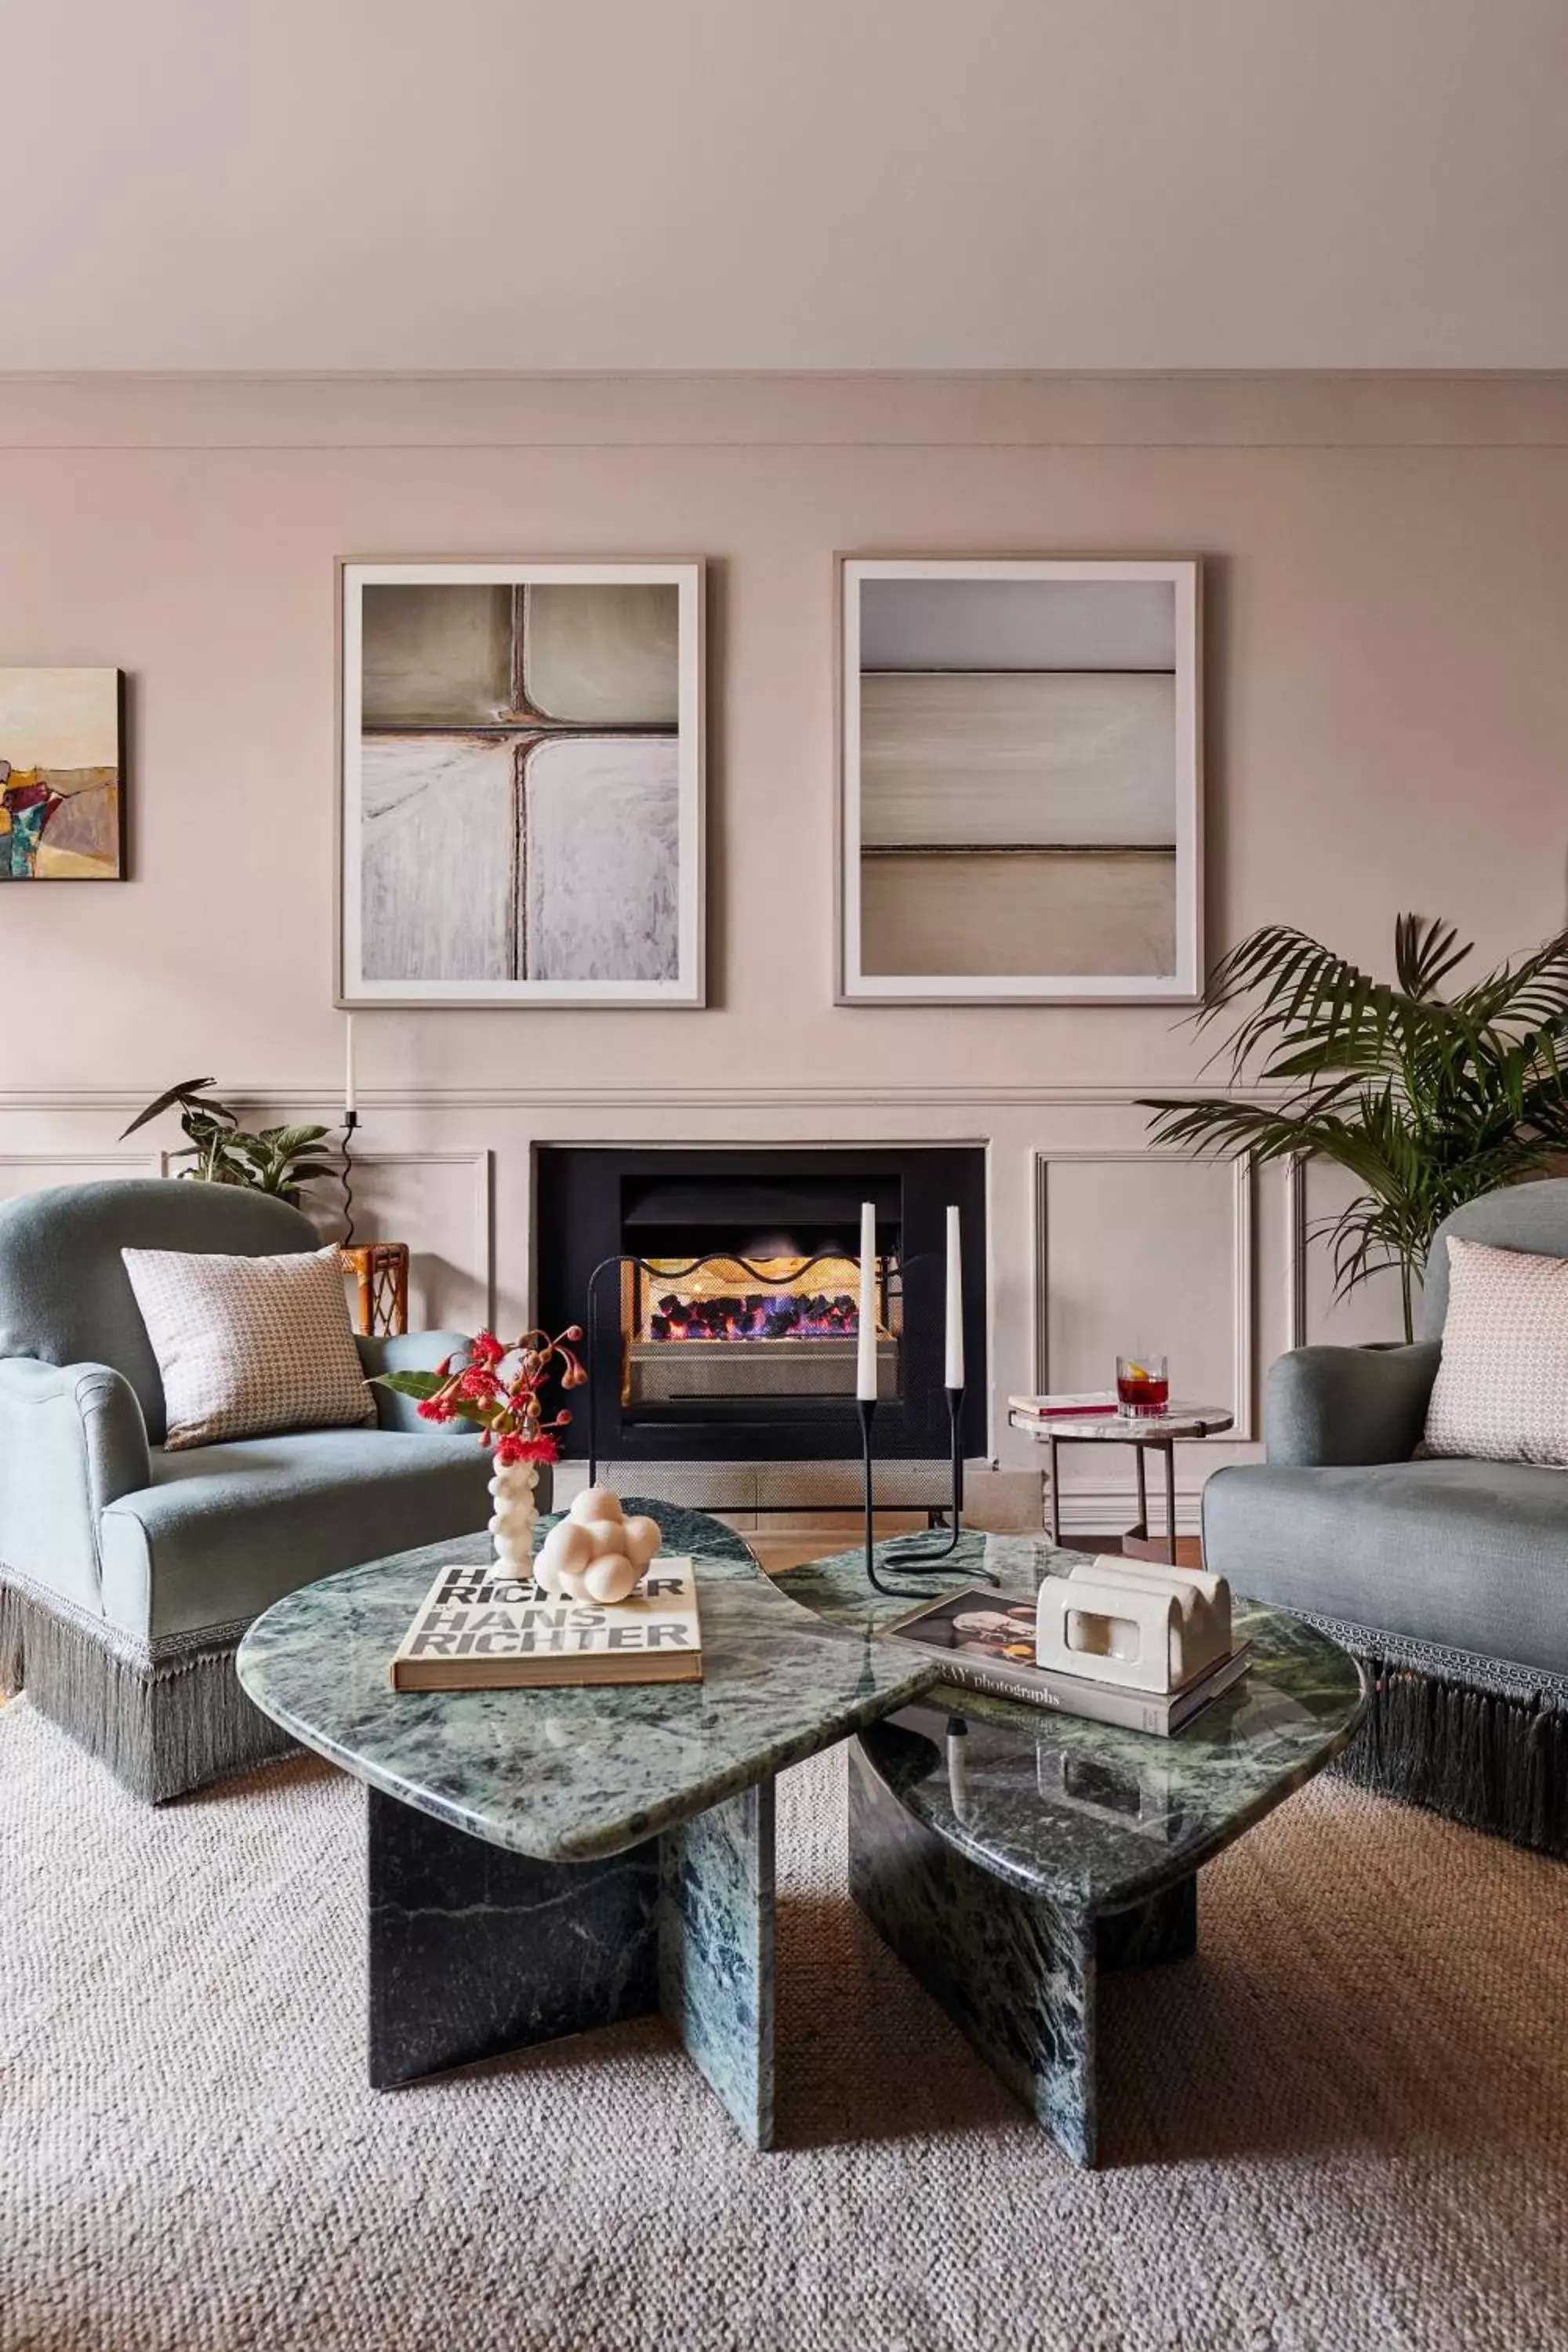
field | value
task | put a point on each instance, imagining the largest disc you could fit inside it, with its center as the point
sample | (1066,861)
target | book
(986,1643)
(1091,1402)
(481,1629)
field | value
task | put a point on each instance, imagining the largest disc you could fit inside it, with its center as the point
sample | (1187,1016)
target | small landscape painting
(61,782)
(522,783)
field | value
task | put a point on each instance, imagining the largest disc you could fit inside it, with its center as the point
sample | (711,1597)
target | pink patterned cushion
(1501,1391)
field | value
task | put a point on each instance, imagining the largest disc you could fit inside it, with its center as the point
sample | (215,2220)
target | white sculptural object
(1139,1623)
(596,1553)
(514,1515)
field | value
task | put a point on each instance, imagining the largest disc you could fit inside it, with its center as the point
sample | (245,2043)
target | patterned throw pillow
(250,1347)
(1501,1391)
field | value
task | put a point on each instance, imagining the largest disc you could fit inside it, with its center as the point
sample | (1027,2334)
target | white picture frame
(994,699)
(497,843)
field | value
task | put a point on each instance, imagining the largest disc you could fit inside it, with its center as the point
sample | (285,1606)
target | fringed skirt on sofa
(1482,1740)
(165,1717)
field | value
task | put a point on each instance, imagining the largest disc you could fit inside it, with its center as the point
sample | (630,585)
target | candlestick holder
(350,1120)
(917,1563)
(919,1554)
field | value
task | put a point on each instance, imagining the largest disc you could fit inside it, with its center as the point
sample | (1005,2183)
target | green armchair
(128,1574)
(1448,1577)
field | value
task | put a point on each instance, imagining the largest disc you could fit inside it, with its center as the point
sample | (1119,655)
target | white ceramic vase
(514,1517)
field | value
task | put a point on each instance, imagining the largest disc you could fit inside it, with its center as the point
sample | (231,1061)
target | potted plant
(1427,1099)
(278,1160)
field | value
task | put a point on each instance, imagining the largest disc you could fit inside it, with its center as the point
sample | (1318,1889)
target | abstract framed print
(1020,781)
(62,780)
(521,812)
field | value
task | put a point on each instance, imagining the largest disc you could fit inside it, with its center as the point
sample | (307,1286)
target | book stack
(1144,1646)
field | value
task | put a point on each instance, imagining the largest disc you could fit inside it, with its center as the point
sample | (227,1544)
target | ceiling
(523,184)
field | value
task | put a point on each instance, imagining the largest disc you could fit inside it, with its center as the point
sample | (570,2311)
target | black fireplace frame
(581,1193)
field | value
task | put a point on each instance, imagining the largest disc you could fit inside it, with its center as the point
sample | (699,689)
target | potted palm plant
(1427,1099)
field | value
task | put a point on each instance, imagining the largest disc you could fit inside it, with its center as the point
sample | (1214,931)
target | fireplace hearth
(725,1287)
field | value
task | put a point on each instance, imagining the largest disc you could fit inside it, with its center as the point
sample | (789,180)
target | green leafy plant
(1427,1099)
(278,1160)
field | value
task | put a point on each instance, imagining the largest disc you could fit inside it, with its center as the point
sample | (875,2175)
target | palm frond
(1426,1100)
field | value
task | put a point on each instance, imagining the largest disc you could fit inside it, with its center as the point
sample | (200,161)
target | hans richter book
(987,1641)
(479,1629)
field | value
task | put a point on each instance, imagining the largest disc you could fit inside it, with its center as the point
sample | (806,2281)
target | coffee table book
(987,1641)
(481,1629)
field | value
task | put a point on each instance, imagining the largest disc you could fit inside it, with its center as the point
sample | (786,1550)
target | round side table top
(1129,1429)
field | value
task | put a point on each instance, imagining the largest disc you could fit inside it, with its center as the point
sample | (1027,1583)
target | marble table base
(476,1950)
(1016,1973)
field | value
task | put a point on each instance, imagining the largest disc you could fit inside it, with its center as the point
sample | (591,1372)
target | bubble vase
(514,1516)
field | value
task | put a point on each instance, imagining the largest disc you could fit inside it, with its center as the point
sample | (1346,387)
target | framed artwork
(521,815)
(1019,781)
(62,815)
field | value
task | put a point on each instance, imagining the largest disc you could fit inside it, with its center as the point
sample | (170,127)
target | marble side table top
(572,1775)
(1090,1816)
(1128,1428)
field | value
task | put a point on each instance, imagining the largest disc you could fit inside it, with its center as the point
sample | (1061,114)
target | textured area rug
(1345,2124)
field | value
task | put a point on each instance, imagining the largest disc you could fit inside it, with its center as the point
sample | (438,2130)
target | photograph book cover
(987,1641)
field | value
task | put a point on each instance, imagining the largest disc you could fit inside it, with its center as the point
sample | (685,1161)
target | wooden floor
(792,1539)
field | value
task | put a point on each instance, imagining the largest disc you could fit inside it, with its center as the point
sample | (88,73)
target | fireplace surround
(727,1332)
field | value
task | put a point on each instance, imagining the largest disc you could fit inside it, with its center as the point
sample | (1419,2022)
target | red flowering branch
(498,1388)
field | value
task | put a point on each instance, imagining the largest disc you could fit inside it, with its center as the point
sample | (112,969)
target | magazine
(987,1641)
(1076,1404)
(481,1629)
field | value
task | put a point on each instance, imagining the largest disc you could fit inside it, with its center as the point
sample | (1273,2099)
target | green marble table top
(1086,1815)
(569,1775)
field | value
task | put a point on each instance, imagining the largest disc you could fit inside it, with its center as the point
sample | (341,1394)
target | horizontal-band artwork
(1019,780)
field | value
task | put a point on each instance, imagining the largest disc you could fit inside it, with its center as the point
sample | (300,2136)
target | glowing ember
(760,1315)
(724,1300)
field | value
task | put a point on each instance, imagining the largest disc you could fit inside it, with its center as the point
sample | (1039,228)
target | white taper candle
(866,1356)
(351,1094)
(954,1375)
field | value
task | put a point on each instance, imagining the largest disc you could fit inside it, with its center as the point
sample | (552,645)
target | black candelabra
(350,1120)
(921,1561)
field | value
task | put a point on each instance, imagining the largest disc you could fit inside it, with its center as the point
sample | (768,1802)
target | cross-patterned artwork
(522,805)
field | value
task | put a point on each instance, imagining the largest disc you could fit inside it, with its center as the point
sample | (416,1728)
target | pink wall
(1387,699)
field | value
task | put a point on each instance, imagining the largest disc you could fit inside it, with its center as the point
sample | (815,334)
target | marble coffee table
(1008,1854)
(542,1861)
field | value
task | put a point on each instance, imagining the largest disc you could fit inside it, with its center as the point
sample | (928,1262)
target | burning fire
(722,1300)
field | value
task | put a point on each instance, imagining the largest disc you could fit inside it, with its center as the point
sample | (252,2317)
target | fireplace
(729,1331)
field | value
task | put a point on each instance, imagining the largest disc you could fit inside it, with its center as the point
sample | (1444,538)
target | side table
(1145,1433)
(382,1271)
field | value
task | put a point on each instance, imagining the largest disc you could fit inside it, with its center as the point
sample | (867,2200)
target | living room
(764,698)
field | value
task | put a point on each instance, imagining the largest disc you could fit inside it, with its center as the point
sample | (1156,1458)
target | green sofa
(128,1574)
(1448,1577)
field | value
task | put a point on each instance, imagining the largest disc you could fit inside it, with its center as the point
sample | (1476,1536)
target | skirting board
(1111,1510)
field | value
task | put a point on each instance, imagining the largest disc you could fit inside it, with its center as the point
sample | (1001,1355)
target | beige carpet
(1345,2124)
